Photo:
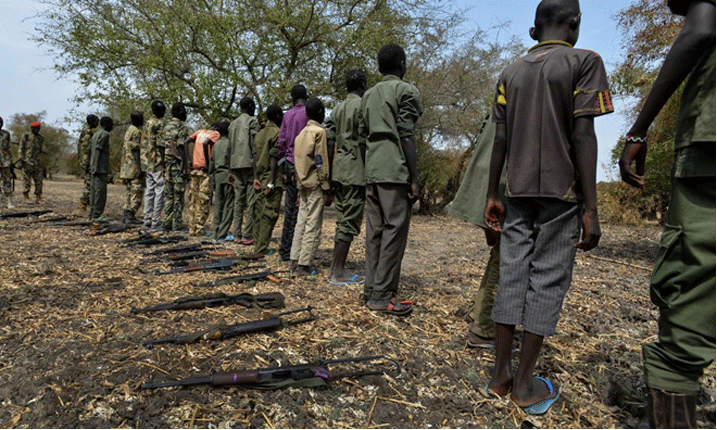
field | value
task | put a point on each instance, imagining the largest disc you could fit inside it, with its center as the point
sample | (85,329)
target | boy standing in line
(312,178)
(130,170)
(176,166)
(348,175)
(544,111)
(294,121)
(83,158)
(32,168)
(387,123)
(199,194)
(242,132)
(100,167)
(6,165)
(683,282)
(223,190)
(153,165)
(269,185)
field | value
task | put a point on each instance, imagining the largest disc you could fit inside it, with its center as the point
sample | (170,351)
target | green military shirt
(388,113)
(5,150)
(83,147)
(31,149)
(150,155)
(219,161)
(342,127)
(100,155)
(173,137)
(267,147)
(130,153)
(240,131)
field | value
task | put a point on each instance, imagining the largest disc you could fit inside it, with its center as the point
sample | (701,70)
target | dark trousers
(98,195)
(388,216)
(291,211)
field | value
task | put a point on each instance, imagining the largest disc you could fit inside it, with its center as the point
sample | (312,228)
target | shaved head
(555,12)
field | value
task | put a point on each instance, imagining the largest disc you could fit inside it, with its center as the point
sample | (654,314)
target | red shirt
(199,137)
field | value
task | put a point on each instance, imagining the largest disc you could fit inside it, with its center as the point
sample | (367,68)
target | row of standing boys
(362,157)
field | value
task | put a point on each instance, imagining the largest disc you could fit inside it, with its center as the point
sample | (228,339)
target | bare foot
(500,388)
(533,392)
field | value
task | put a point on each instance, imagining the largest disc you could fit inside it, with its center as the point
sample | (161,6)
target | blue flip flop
(541,407)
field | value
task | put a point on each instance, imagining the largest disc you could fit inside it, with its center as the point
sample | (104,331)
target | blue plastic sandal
(541,407)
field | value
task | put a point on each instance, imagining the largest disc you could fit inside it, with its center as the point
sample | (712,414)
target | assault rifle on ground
(226,264)
(268,300)
(177,258)
(177,249)
(224,331)
(269,276)
(23,214)
(302,375)
(158,240)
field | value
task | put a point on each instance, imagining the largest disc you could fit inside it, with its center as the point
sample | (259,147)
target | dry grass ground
(72,354)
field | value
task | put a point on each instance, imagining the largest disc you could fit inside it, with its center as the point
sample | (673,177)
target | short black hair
(106,121)
(555,12)
(223,128)
(158,108)
(298,91)
(274,114)
(355,80)
(246,103)
(136,118)
(179,111)
(92,120)
(389,58)
(315,109)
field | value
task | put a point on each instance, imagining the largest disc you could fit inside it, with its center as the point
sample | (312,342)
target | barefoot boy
(312,179)
(544,110)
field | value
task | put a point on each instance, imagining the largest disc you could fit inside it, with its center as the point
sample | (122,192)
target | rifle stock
(275,300)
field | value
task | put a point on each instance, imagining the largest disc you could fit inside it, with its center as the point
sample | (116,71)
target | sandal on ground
(391,307)
(355,280)
(541,407)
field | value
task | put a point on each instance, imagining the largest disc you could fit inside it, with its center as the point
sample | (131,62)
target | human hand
(257,184)
(591,231)
(494,214)
(414,193)
(328,198)
(230,179)
(633,151)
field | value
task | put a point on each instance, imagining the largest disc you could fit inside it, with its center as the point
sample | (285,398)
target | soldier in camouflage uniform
(176,169)
(100,167)
(83,158)
(130,171)
(152,163)
(6,165)
(32,168)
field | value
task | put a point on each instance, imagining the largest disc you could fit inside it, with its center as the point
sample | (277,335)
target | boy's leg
(501,380)
(483,325)
(102,194)
(203,201)
(374,231)
(227,210)
(312,226)
(38,178)
(240,200)
(219,199)
(93,198)
(299,229)
(393,200)
(557,227)
(158,200)
(349,204)
(291,211)
(192,202)
(249,219)
(260,200)
(169,197)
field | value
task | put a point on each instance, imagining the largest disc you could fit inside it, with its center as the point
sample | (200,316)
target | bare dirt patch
(72,354)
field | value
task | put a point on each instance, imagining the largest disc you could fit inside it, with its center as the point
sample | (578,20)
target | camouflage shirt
(5,150)
(151,158)
(130,153)
(83,147)
(31,149)
(175,133)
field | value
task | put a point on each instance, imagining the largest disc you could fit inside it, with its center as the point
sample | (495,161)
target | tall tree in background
(648,30)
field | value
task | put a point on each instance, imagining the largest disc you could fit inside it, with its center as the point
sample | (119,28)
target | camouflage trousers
(32,173)
(85,198)
(199,197)
(7,181)
(174,185)
(266,212)
(134,194)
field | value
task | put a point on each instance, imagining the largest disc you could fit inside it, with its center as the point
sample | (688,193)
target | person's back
(540,95)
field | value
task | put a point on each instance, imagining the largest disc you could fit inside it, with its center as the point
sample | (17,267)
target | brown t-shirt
(538,97)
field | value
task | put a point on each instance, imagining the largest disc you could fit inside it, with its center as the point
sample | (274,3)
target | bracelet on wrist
(641,140)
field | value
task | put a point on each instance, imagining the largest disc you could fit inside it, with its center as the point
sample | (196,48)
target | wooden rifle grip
(242,377)
(273,279)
